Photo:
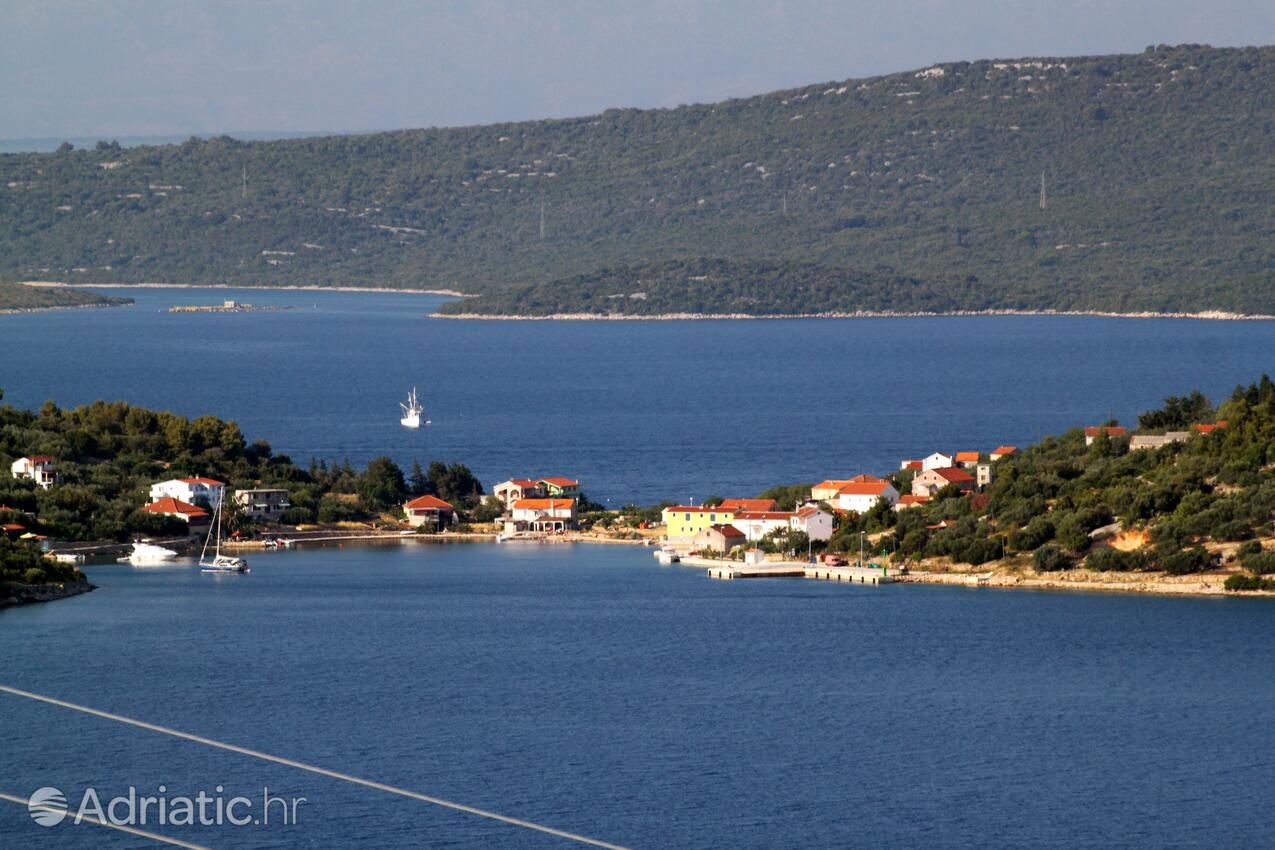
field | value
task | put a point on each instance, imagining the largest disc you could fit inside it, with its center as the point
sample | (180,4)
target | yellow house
(685,521)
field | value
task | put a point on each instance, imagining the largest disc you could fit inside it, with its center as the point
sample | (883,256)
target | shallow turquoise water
(588,688)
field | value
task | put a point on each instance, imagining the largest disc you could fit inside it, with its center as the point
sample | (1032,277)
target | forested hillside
(1157,177)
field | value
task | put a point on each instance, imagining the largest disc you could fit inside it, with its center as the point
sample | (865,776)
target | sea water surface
(638,411)
(585,687)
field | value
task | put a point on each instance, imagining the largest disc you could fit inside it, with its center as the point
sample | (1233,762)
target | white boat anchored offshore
(219,563)
(412,411)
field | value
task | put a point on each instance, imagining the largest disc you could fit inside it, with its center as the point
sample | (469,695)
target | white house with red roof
(551,514)
(1003,451)
(1093,432)
(815,523)
(517,488)
(826,491)
(428,510)
(196,491)
(908,500)
(749,505)
(193,515)
(860,496)
(757,524)
(930,481)
(39,468)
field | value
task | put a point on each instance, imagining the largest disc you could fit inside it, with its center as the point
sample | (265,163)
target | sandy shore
(1209,315)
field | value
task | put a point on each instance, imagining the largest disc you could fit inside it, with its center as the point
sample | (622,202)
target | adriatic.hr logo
(47,806)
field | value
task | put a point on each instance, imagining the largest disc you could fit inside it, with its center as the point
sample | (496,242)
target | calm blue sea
(639,411)
(587,688)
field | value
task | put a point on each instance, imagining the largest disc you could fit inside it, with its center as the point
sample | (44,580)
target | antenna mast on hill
(1042,189)
(245,182)
(542,219)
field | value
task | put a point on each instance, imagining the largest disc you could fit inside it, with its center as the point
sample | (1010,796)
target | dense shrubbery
(109,453)
(937,186)
(22,564)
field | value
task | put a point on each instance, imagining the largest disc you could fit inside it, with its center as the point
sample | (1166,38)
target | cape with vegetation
(16,297)
(1107,183)
(1181,508)
(108,454)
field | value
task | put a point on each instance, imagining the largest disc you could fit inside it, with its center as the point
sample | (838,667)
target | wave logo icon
(47,806)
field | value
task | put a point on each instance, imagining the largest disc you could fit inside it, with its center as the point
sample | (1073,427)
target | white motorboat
(149,555)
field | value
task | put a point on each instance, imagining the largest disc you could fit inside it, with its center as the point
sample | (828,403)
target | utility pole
(542,220)
(1042,189)
(245,182)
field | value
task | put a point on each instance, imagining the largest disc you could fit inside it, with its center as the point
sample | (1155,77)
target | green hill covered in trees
(15,296)
(1156,171)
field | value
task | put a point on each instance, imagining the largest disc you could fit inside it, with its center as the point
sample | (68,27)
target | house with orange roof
(1003,451)
(1203,428)
(429,511)
(930,481)
(559,486)
(910,500)
(195,491)
(193,515)
(911,464)
(39,468)
(749,505)
(517,488)
(720,538)
(548,514)
(816,523)
(1094,431)
(861,496)
(826,491)
(967,460)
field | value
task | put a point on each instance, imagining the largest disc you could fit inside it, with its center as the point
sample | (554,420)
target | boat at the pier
(148,555)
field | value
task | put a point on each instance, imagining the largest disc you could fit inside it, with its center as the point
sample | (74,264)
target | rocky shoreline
(12,595)
(59,284)
(1208,315)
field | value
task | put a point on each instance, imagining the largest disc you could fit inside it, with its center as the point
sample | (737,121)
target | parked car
(834,561)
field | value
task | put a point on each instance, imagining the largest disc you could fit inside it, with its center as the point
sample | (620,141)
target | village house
(930,481)
(967,460)
(827,491)
(720,538)
(559,487)
(1002,451)
(195,491)
(1204,428)
(983,476)
(861,496)
(429,511)
(937,460)
(194,516)
(683,522)
(1094,431)
(910,464)
(757,524)
(910,500)
(39,468)
(263,503)
(749,505)
(511,491)
(814,522)
(541,515)
(1155,441)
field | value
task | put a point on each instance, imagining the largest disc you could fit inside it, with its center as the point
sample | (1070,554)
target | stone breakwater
(1209,315)
(26,594)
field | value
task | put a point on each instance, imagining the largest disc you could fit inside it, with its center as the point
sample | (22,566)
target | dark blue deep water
(638,411)
(590,689)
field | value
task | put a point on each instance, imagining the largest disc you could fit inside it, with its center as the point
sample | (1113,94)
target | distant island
(18,298)
(1116,184)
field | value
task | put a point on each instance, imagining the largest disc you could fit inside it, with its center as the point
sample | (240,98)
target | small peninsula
(20,298)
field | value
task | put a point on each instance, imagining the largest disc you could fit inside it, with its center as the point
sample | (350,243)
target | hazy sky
(141,67)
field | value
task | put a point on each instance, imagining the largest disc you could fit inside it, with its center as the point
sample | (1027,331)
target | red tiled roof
(727,530)
(524,482)
(210,482)
(954,474)
(764,515)
(697,509)
(967,456)
(1004,450)
(863,488)
(559,481)
(169,505)
(909,499)
(543,504)
(39,458)
(1112,430)
(912,464)
(748,505)
(422,503)
(12,526)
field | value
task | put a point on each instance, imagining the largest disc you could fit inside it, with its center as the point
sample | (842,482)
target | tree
(417,483)
(453,483)
(382,484)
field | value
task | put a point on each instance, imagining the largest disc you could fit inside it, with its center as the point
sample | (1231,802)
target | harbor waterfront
(590,688)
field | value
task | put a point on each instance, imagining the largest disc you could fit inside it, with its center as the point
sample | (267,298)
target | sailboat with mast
(219,563)
(412,411)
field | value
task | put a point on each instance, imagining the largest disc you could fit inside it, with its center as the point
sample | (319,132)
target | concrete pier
(861,575)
